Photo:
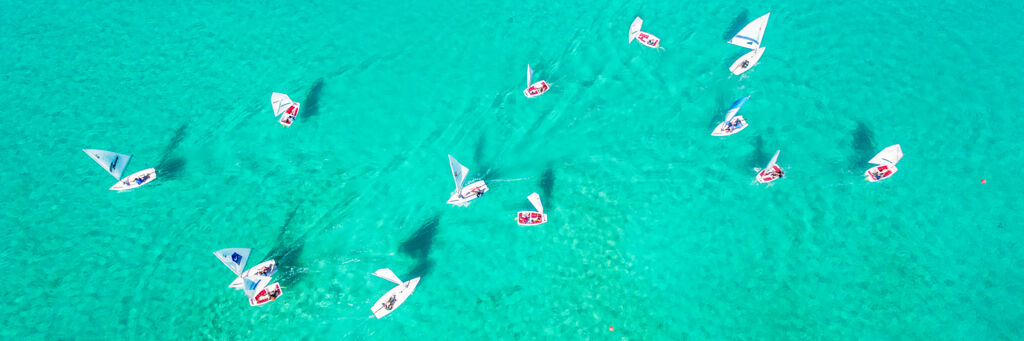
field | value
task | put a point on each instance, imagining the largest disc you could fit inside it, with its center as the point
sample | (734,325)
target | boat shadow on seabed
(418,246)
(170,166)
(311,105)
(863,149)
(287,255)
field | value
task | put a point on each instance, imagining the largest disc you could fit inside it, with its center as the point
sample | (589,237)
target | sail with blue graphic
(253,284)
(114,163)
(750,36)
(735,108)
(234,258)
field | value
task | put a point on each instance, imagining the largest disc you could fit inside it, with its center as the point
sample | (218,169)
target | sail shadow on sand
(863,148)
(418,246)
(312,104)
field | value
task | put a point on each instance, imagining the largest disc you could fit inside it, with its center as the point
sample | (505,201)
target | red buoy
(982,180)
(611,329)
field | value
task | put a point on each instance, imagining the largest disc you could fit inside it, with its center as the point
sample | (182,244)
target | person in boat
(273,294)
(391,303)
(745,64)
(479,192)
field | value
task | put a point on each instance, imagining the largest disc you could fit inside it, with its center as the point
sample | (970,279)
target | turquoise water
(655,227)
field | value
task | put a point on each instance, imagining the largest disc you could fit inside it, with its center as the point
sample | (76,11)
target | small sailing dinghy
(115,163)
(463,195)
(253,282)
(534,89)
(645,38)
(886,161)
(137,179)
(394,297)
(284,107)
(529,218)
(733,123)
(749,37)
(266,295)
(772,171)
(268,268)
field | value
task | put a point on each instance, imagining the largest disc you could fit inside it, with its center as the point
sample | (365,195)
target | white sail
(735,108)
(774,158)
(535,200)
(750,36)
(458,172)
(388,275)
(529,75)
(234,258)
(634,29)
(888,156)
(113,162)
(253,284)
(280,102)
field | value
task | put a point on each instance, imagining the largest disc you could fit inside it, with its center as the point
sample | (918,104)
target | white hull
(399,293)
(721,130)
(268,294)
(259,268)
(649,40)
(772,173)
(138,179)
(879,173)
(751,58)
(288,117)
(468,194)
(536,89)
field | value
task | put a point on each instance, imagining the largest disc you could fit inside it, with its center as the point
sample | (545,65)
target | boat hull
(400,293)
(288,117)
(769,174)
(536,89)
(469,192)
(750,57)
(723,130)
(268,268)
(135,180)
(649,40)
(530,218)
(268,294)
(879,173)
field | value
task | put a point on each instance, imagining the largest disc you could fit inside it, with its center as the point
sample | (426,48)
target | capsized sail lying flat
(458,173)
(735,108)
(114,163)
(234,258)
(535,200)
(750,36)
(634,28)
(280,102)
(888,156)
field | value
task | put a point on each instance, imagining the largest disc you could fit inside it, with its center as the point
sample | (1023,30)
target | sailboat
(772,171)
(886,161)
(394,297)
(462,195)
(645,38)
(115,163)
(284,107)
(267,268)
(255,282)
(528,218)
(733,123)
(534,89)
(749,37)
